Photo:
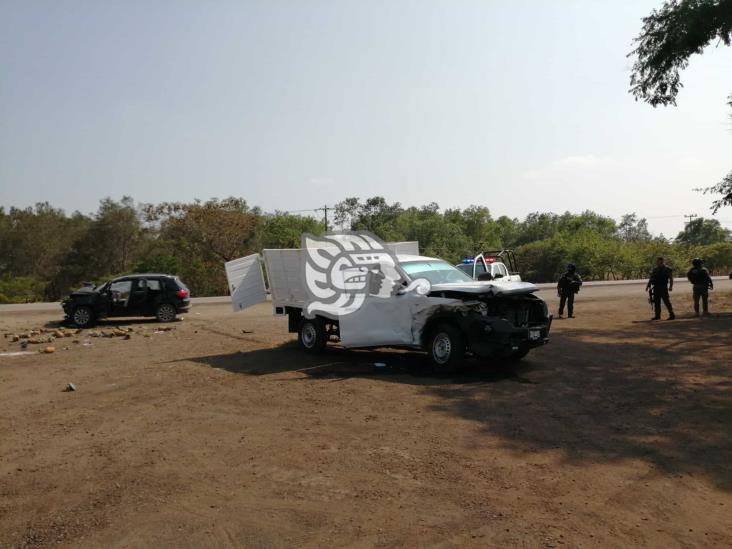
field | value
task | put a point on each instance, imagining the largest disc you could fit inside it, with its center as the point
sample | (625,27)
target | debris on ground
(48,350)
(70,387)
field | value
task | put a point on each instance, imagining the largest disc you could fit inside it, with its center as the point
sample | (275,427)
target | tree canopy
(669,37)
(44,252)
(703,231)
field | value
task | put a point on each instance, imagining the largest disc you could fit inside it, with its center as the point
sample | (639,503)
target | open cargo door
(246,282)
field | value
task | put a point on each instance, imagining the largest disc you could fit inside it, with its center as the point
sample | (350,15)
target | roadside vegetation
(45,252)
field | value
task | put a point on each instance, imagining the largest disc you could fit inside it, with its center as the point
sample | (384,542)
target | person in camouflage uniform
(702,283)
(662,281)
(568,285)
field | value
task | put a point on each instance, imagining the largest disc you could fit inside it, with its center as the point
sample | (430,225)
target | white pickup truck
(492,265)
(450,315)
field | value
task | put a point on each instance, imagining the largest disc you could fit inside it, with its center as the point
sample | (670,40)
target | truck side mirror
(485,276)
(498,275)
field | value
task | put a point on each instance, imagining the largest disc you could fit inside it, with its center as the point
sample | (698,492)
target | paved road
(610,288)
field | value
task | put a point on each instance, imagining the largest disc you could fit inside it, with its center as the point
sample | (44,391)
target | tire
(446,348)
(311,335)
(83,316)
(166,312)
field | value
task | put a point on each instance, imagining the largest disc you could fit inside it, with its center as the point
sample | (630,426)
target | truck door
(380,321)
(246,282)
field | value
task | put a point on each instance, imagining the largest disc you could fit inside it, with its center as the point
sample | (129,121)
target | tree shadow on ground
(660,393)
(656,392)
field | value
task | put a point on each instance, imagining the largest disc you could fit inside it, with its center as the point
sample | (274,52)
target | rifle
(652,297)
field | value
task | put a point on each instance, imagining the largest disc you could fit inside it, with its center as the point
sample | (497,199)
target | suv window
(120,291)
(153,285)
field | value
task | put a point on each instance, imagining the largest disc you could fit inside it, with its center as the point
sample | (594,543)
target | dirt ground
(222,432)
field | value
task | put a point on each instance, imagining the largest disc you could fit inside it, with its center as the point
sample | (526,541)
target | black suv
(159,295)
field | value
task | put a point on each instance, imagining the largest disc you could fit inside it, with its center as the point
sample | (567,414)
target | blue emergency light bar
(468,261)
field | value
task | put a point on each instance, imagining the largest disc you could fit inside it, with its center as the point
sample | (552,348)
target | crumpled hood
(485,287)
(86,290)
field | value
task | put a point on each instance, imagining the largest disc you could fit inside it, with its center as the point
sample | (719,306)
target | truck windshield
(436,271)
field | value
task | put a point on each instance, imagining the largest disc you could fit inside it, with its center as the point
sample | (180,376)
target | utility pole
(690,217)
(324,209)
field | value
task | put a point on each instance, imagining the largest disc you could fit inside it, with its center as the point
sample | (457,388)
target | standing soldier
(568,285)
(702,282)
(662,281)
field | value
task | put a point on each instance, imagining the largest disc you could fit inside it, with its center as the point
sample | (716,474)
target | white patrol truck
(434,306)
(492,265)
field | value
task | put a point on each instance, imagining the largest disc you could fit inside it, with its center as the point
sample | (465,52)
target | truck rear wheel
(311,334)
(446,348)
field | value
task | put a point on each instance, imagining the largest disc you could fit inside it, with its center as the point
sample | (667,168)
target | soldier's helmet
(572,267)
(697,262)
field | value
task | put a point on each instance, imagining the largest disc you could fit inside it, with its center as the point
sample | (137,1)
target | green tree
(701,231)
(282,230)
(633,229)
(669,37)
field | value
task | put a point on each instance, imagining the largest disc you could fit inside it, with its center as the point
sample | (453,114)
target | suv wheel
(166,312)
(446,348)
(311,335)
(83,316)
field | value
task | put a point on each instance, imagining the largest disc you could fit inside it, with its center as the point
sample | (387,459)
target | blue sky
(519,106)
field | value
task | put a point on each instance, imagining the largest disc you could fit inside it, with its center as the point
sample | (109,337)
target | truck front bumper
(492,337)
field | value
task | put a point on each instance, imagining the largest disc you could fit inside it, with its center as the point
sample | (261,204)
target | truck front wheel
(311,335)
(446,348)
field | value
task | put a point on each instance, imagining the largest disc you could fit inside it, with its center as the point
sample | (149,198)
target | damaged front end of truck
(496,321)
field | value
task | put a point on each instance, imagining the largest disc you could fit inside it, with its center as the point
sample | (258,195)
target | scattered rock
(48,350)
(70,387)
(15,338)
(127,336)
(95,333)
(40,340)
(119,333)
(58,333)
(23,343)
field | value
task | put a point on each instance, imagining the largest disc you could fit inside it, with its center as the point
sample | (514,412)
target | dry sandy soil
(222,432)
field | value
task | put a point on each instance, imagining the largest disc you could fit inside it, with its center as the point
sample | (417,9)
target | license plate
(534,335)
